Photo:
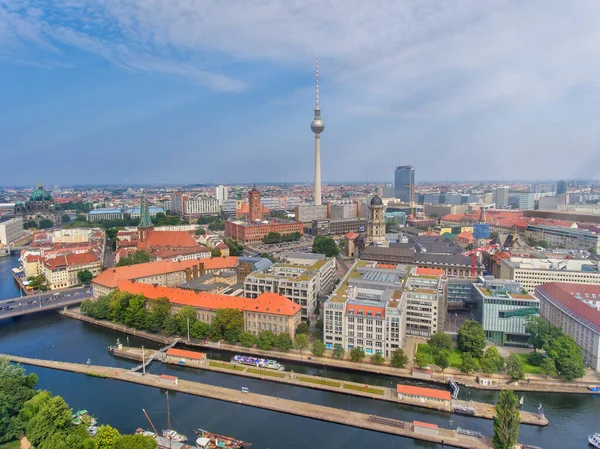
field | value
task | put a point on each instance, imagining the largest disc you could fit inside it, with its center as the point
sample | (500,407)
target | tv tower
(317,126)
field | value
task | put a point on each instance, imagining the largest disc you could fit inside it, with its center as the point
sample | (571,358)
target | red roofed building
(563,305)
(408,393)
(268,311)
(465,239)
(184,355)
(61,270)
(247,232)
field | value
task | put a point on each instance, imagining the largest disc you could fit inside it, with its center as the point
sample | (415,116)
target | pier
(388,394)
(375,423)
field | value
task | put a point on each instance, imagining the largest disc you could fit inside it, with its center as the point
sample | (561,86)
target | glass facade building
(404,181)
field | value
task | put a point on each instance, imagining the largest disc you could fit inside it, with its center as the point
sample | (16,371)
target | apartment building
(571,238)
(61,270)
(531,272)
(562,304)
(11,230)
(425,299)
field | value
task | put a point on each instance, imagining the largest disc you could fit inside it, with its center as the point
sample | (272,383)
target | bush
(535,358)
(357,354)
(399,359)
(377,359)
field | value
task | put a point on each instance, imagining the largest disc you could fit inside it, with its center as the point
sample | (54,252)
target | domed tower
(317,126)
(376,227)
(39,201)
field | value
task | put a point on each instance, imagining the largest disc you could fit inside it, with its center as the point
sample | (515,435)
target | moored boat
(81,416)
(209,440)
(594,388)
(174,436)
(258,362)
(594,440)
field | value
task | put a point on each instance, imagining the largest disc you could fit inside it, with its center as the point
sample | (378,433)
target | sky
(202,91)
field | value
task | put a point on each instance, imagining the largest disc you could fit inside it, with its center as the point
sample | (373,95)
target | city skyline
(144,94)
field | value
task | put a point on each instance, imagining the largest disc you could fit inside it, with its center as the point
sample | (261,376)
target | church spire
(145,221)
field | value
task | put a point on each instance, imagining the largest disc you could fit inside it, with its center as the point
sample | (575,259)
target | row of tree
(276,237)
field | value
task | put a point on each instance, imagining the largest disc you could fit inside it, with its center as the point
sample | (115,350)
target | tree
(399,359)
(235,248)
(54,417)
(507,420)
(548,367)
(377,359)
(442,360)
(514,367)
(318,348)
(301,342)
(138,257)
(538,330)
(228,324)
(471,338)
(217,225)
(284,342)
(159,310)
(325,245)
(135,442)
(247,340)
(29,224)
(185,315)
(357,354)
(492,361)
(441,341)
(469,363)
(567,357)
(46,224)
(268,256)
(592,250)
(266,340)
(338,351)
(200,329)
(302,328)
(215,252)
(421,359)
(84,276)
(200,231)
(65,219)
(106,437)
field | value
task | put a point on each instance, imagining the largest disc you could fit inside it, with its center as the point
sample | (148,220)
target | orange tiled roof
(365,310)
(389,266)
(429,272)
(351,235)
(423,392)
(71,260)
(425,424)
(270,303)
(186,354)
(110,278)
(174,239)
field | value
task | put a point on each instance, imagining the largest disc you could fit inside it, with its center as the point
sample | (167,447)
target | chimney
(202,270)
(195,271)
(188,275)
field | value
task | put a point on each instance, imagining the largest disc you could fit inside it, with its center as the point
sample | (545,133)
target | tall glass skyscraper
(404,181)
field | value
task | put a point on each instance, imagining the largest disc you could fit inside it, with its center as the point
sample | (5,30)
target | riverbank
(389,394)
(501,382)
(322,413)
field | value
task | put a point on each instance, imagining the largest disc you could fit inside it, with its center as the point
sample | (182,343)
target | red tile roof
(562,295)
(70,260)
(365,310)
(186,354)
(110,278)
(351,235)
(423,392)
(430,272)
(425,424)
(174,239)
(270,303)
(389,266)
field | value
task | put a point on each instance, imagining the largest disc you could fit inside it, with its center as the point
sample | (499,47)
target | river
(48,335)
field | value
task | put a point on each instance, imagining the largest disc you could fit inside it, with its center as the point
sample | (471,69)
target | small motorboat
(595,440)
(174,436)
(594,388)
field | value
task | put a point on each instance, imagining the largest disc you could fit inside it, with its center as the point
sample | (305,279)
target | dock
(375,423)
(470,408)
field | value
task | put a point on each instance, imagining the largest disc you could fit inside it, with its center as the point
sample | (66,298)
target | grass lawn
(12,445)
(266,372)
(528,367)
(329,383)
(226,366)
(361,388)
(454,355)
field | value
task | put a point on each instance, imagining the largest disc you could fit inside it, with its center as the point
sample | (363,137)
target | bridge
(28,305)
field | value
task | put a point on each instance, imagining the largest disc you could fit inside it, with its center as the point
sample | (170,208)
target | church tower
(376,226)
(145,226)
(254,206)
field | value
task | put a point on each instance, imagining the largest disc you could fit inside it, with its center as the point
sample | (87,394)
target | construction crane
(474,253)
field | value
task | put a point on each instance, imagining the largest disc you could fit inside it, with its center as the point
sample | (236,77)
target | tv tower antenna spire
(317,126)
(317,77)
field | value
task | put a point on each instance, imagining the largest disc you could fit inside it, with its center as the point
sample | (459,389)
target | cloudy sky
(223,91)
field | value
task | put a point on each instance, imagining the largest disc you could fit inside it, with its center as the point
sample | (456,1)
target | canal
(48,335)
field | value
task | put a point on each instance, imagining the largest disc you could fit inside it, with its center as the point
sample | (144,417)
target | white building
(567,237)
(426,310)
(11,230)
(221,194)
(526,201)
(562,305)
(181,204)
(501,194)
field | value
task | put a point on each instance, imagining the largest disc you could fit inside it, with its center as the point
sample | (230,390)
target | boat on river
(83,416)
(594,388)
(594,440)
(174,436)
(209,440)
(258,362)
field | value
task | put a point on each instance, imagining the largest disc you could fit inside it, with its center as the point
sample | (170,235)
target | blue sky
(180,91)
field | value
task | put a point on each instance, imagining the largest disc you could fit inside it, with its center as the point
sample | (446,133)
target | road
(45,301)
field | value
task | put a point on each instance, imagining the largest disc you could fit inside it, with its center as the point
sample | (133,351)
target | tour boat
(80,416)
(595,440)
(594,388)
(174,436)
(258,362)
(209,440)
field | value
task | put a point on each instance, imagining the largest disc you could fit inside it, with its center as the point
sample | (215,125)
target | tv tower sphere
(317,126)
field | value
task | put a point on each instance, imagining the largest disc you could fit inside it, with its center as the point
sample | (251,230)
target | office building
(570,238)
(501,197)
(562,187)
(404,183)
(246,232)
(306,213)
(502,308)
(563,305)
(424,297)
(388,192)
(553,202)
(531,273)
(221,194)
(11,230)
(440,210)
(337,227)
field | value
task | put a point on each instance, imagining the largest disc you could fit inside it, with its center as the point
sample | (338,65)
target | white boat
(174,436)
(595,440)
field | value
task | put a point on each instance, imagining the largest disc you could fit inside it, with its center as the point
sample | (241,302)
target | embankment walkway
(322,413)
(501,382)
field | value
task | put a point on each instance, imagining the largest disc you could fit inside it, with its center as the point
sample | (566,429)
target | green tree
(567,357)
(217,225)
(514,367)
(301,342)
(29,224)
(441,341)
(53,418)
(399,359)
(325,245)
(46,224)
(185,315)
(138,257)
(38,282)
(284,342)
(266,340)
(471,338)
(538,330)
(215,252)
(421,359)
(442,360)
(303,328)
(548,367)
(235,248)
(200,231)
(492,361)
(106,437)
(318,348)
(84,276)
(377,359)
(247,340)
(228,324)
(200,329)
(469,363)
(507,420)
(65,219)
(135,442)
(268,256)
(338,351)
(357,354)
(159,310)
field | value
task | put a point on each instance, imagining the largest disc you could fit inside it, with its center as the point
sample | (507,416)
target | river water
(48,335)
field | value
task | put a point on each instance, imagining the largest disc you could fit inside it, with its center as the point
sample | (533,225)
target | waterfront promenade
(501,382)
(349,418)
(480,409)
